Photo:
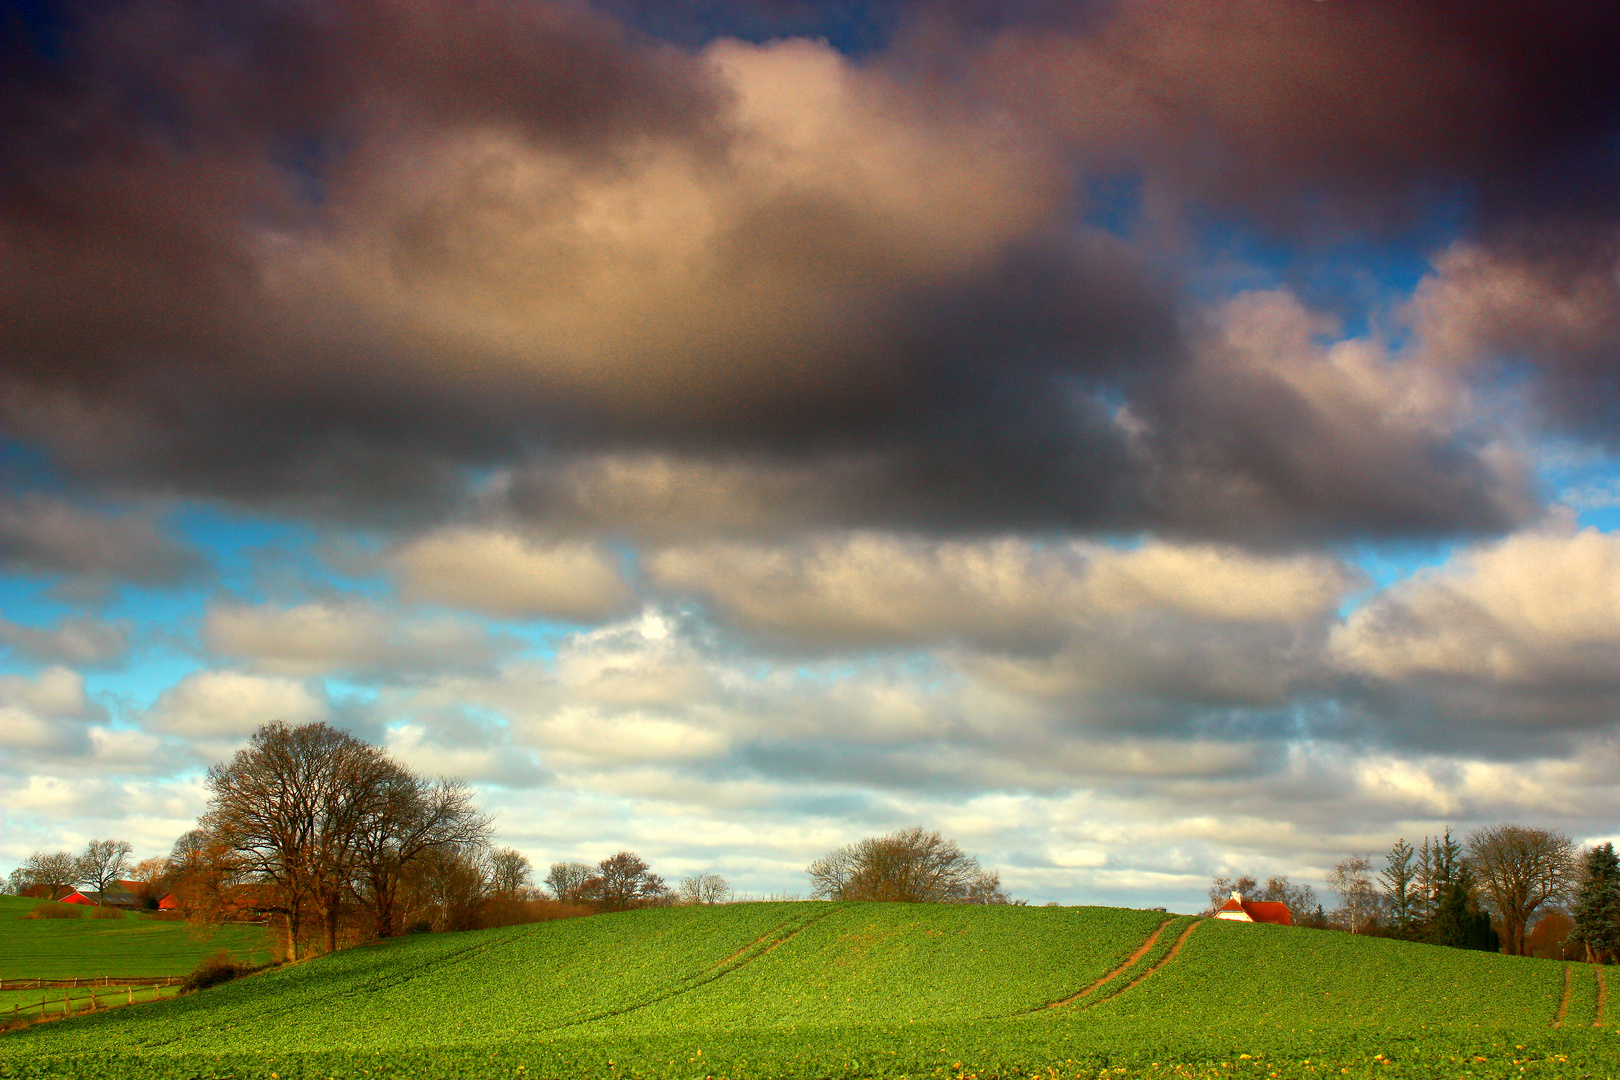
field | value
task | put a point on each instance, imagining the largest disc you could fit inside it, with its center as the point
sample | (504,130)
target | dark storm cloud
(1313,115)
(335,258)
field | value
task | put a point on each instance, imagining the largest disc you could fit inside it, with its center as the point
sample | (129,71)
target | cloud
(56,693)
(45,536)
(1549,297)
(82,641)
(1517,640)
(855,590)
(1316,118)
(230,705)
(350,637)
(509,575)
(756,269)
(1279,436)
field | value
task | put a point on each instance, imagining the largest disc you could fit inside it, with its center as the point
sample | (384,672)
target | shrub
(105,913)
(52,909)
(213,970)
(510,912)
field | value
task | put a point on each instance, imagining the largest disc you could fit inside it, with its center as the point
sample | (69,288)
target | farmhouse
(1238,909)
(111,898)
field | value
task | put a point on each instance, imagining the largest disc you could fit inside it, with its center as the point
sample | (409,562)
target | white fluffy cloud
(351,637)
(864,589)
(1537,609)
(230,705)
(513,576)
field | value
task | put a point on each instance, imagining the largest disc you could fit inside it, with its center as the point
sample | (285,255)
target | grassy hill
(131,945)
(833,990)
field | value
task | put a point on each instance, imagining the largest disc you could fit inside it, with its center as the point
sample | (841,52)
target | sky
(1143,440)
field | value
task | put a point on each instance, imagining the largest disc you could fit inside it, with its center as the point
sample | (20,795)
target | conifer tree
(1597,905)
(1398,876)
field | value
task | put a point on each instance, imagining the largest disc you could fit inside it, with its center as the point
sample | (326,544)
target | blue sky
(1143,441)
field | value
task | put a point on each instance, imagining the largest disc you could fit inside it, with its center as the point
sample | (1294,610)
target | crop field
(59,1001)
(854,990)
(133,945)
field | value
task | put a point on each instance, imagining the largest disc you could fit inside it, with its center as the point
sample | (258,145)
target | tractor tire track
(1163,960)
(1602,998)
(1563,1002)
(725,967)
(1141,951)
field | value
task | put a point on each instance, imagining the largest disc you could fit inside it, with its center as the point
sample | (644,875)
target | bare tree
(1223,888)
(985,889)
(104,862)
(510,874)
(1352,881)
(50,871)
(1518,869)
(445,887)
(911,866)
(565,880)
(624,881)
(290,808)
(410,817)
(705,889)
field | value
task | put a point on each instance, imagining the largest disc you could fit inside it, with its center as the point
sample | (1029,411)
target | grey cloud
(80,641)
(47,536)
(1512,648)
(1548,297)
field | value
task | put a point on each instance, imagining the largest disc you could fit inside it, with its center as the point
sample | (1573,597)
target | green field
(134,945)
(854,990)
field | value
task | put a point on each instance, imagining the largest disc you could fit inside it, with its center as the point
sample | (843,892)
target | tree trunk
(330,915)
(384,901)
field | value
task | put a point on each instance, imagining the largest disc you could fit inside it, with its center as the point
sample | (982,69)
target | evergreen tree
(1423,884)
(1597,905)
(1397,876)
(1457,921)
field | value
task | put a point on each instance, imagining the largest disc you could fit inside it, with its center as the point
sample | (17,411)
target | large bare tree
(327,819)
(1518,869)
(104,862)
(290,808)
(912,865)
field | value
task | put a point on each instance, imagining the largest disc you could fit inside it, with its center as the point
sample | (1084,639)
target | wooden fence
(99,980)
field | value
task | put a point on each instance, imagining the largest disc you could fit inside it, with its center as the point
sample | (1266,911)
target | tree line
(339,842)
(1485,892)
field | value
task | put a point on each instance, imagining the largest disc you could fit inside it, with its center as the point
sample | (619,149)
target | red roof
(1271,911)
(1266,911)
